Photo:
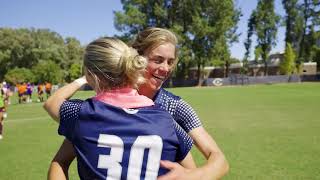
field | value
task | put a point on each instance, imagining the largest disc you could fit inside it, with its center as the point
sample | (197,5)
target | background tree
(14,47)
(293,23)
(287,66)
(265,28)
(248,42)
(19,75)
(75,71)
(205,29)
(302,29)
(73,62)
(48,71)
(25,48)
(310,10)
(48,45)
(180,14)
(140,14)
(306,12)
(212,29)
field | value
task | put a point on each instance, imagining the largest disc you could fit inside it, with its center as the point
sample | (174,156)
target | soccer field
(266,132)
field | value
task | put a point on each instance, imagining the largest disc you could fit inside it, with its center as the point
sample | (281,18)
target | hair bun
(113,64)
(133,65)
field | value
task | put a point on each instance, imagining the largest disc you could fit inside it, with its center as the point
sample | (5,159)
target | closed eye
(157,59)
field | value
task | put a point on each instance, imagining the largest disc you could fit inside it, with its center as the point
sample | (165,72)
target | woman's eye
(156,60)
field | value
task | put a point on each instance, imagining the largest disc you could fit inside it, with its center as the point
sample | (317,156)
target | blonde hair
(153,37)
(112,64)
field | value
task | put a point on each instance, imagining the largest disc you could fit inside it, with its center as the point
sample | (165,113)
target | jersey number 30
(112,161)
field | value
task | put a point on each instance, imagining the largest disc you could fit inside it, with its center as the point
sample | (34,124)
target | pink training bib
(124,98)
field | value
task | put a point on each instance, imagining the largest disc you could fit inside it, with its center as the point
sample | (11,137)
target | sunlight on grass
(265,131)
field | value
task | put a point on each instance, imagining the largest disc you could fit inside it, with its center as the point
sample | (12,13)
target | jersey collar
(124,98)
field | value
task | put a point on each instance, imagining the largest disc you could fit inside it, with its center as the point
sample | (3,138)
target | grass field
(266,132)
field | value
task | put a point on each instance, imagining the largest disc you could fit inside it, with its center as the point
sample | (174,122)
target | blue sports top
(117,143)
(180,110)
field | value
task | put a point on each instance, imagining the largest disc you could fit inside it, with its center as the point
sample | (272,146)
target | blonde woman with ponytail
(117,134)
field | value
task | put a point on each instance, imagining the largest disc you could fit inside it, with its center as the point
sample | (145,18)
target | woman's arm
(215,167)
(59,166)
(188,162)
(53,104)
(62,160)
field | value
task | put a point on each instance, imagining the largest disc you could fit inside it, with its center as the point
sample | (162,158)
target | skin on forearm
(215,168)
(217,165)
(59,166)
(188,162)
(57,172)
(54,102)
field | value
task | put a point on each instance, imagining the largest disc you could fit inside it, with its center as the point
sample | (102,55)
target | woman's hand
(177,172)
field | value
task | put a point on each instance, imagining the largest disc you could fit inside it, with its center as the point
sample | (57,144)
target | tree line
(302,38)
(38,55)
(205,29)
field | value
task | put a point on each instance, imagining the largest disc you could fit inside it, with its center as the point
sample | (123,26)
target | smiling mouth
(159,77)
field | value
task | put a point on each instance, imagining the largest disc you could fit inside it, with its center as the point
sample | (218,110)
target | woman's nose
(165,67)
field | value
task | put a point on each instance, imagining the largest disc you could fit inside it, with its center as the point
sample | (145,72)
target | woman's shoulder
(166,95)
(72,104)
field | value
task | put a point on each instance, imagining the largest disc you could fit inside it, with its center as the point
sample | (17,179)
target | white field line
(26,119)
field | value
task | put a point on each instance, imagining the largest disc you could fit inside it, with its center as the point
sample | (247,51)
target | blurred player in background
(40,91)
(2,109)
(48,87)
(29,92)
(6,96)
(22,92)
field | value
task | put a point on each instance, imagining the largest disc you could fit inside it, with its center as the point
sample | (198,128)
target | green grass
(266,132)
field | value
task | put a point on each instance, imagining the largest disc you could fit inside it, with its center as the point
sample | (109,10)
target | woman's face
(161,61)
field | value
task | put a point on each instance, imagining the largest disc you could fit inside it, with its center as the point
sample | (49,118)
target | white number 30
(112,161)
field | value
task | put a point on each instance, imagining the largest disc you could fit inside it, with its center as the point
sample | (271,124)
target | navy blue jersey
(116,143)
(180,110)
